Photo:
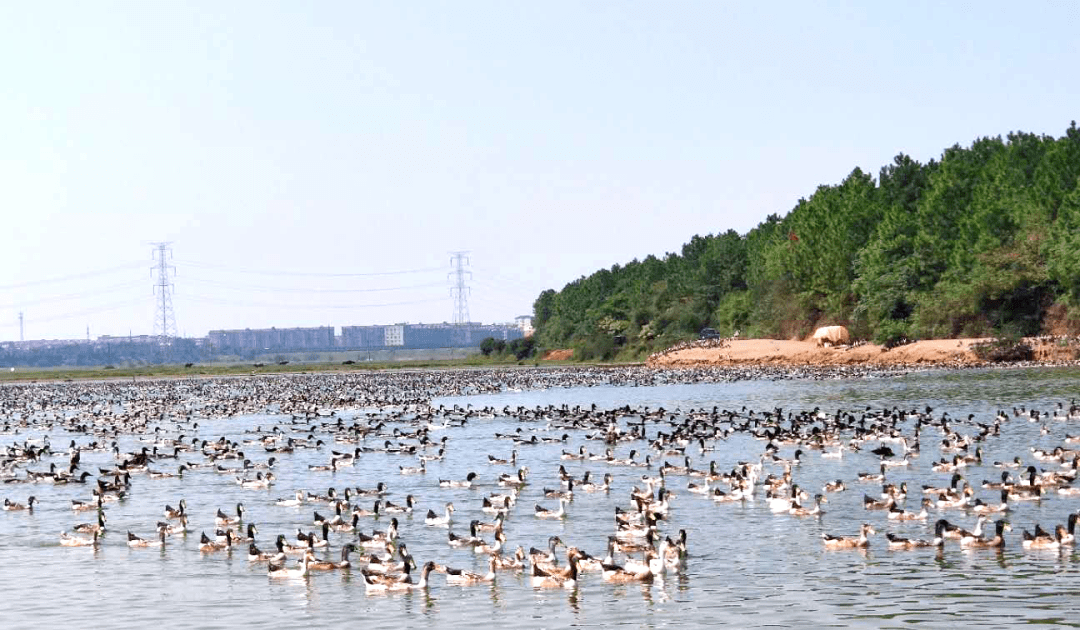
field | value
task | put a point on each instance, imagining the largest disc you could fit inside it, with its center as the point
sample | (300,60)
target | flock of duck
(639,461)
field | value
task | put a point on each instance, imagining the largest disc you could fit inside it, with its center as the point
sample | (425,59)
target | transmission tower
(459,290)
(164,319)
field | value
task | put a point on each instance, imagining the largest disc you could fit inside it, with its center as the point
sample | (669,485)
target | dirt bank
(943,352)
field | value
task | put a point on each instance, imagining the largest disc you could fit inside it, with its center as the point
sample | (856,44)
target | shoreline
(791,353)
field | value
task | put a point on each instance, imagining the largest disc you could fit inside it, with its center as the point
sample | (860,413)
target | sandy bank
(943,352)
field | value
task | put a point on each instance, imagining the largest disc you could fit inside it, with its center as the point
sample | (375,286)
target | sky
(318,163)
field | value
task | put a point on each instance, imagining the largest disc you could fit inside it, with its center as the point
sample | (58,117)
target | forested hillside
(983,241)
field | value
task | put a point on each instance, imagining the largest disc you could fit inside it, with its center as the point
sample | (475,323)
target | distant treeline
(984,241)
(113,353)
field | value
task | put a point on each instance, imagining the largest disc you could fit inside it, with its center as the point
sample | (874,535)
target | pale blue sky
(549,139)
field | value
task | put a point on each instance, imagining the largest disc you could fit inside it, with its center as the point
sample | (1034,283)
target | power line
(309,290)
(187,263)
(218,301)
(76,276)
(101,309)
(70,296)
(503,291)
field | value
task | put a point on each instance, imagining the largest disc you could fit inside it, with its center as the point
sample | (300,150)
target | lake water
(746,567)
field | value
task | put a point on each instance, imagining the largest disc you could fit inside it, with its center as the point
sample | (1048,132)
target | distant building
(524,323)
(320,338)
(394,335)
(250,341)
(362,337)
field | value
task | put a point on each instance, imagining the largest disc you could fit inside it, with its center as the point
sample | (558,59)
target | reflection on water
(746,568)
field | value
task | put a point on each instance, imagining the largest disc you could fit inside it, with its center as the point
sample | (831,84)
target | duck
(517,480)
(90,528)
(161,474)
(471,540)
(315,564)
(849,542)
(375,510)
(589,486)
(11,506)
(260,481)
(537,556)
(1025,493)
(391,508)
(293,550)
(451,483)
(384,565)
(67,540)
(463,577)
(983,508)
(377,491)
(297,499)
(702,489)
(632,546)
(898,542)
(1040,539)
(312,539)
(979,542)
(798,510)
(515,562)
(331,467)
(950,489)
(897,514)
(435,520)
(491,506)
(871,477)
(493,526)
(278,557)
(1068,535)
(779,504)
(587,562)
(379,539)
(837,454)
(494,548)
(621,575)
(238,537)
(542,512)
(956,500)
(84,506)
(413,470)
(280,570)
(135,541)
(350,526)
(177,512)
(178,528)
(834,486)
(542,579)
(495,461)
(223,519)
(567,494)
(736,494)
(870,503)
(374,582)
(208,546)
(958,533)
(1005,482)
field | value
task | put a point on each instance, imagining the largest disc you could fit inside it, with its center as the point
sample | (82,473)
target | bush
(1006,348)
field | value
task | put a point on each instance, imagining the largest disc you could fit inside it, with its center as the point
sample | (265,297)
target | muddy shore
(781,352)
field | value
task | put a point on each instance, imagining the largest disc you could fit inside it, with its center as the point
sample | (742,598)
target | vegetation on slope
(983,241)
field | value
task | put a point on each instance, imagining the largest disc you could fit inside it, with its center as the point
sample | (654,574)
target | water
(746,567)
